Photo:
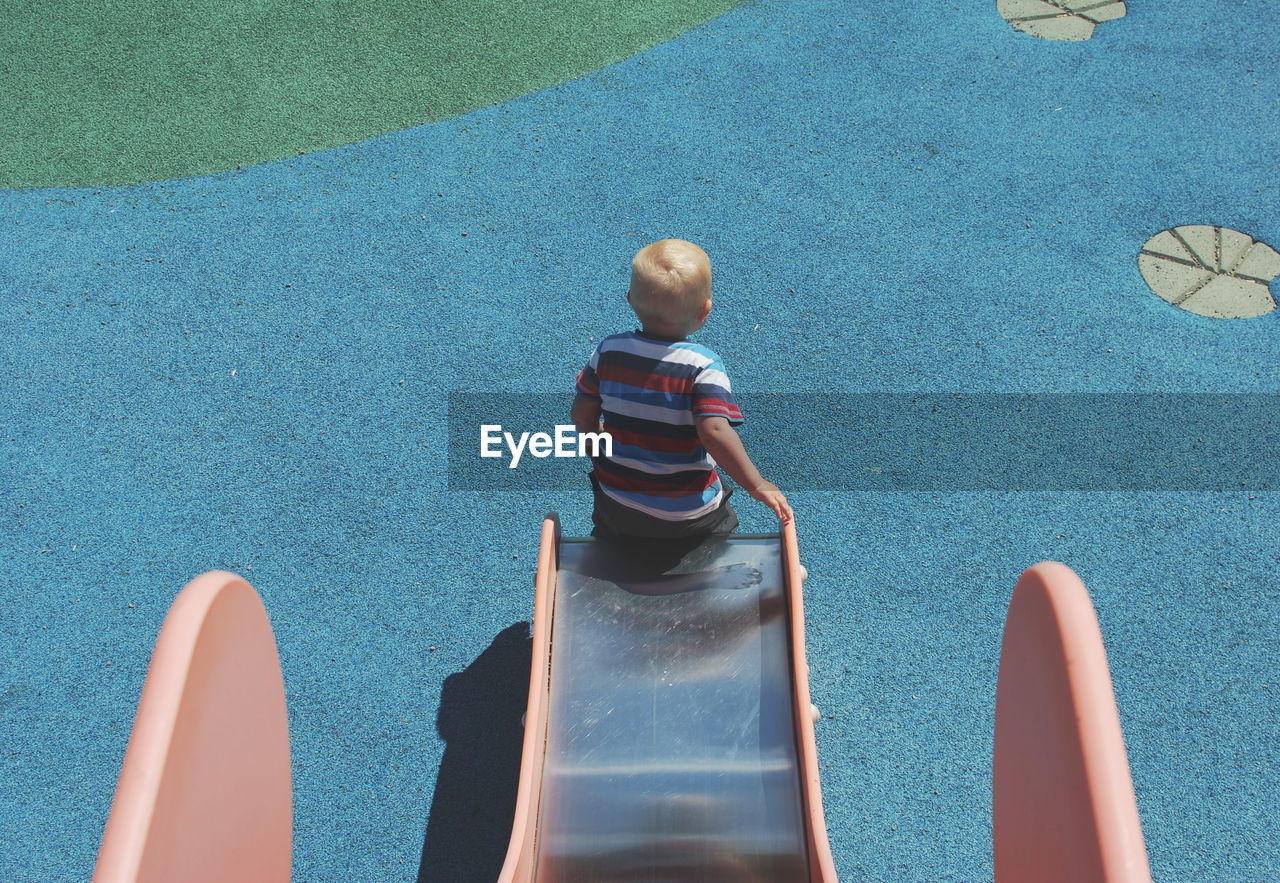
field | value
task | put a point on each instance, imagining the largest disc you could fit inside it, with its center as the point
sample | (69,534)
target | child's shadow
(475,796)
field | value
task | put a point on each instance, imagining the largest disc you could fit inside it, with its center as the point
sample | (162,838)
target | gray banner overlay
(933,441)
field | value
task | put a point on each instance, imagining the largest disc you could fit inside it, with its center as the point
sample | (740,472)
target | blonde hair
(670,281)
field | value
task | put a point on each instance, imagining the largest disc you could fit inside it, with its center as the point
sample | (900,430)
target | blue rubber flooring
(906,199)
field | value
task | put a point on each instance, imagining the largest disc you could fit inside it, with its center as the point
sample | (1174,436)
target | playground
(253,271)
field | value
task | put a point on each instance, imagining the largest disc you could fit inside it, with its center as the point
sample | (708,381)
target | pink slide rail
(822,868)
(204,791)
(1063,805)
(522,849)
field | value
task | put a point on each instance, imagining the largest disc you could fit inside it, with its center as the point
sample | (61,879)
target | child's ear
(705,311)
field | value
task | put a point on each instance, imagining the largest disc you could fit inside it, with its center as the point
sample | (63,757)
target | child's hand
(767,492)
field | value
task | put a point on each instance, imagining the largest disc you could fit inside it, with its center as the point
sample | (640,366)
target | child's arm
(585,414)
(722,442)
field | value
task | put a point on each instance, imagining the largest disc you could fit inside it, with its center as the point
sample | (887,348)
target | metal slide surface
(670,749)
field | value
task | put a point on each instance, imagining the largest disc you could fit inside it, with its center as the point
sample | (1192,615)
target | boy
(668,406)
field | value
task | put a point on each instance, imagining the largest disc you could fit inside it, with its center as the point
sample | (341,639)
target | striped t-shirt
(650,392)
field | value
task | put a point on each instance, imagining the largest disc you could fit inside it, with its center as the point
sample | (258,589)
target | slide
(669,733)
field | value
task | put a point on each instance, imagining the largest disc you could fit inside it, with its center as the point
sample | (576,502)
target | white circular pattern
(1211,271)
(1059,19)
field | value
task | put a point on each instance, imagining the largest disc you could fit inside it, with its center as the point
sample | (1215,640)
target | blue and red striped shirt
(651,391)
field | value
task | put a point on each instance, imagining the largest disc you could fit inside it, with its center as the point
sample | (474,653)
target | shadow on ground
(475,796)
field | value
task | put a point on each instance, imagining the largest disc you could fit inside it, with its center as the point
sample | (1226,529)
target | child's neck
(666,334)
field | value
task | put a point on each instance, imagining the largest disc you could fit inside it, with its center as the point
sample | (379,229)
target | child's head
(671,287)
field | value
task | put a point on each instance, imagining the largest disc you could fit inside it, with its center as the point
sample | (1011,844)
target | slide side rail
(1063,806)
(822,868)
(204,790)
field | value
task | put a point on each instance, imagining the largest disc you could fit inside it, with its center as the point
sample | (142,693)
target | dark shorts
(615,521)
